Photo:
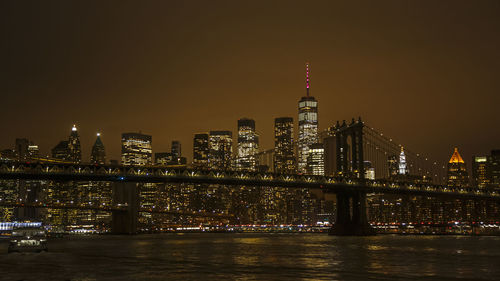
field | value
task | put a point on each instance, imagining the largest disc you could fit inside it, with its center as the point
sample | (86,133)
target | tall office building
(316,160)
(480,171)
(200,150)
(176,149)
(136,149)
(308,125)
(494,169)
(98,155)
(284,157)
(74,148)
(457,171)
(248,145)
(220,150)
(22,148)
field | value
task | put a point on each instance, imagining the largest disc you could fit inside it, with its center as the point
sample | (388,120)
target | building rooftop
(456,158)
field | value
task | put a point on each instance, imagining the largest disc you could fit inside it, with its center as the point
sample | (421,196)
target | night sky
(424,73)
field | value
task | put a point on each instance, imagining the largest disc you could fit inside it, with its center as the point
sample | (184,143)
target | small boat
(28,239)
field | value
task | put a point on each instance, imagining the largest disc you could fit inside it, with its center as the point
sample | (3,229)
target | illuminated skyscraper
(308,125)
(457,171)
(98,155)
(480,171)
(403,169)
(74,148)
(284,157)
(220,150)
(200,150)
(248,145)
(136,149)
(316,159)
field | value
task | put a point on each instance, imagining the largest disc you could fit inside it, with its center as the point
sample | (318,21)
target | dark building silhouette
(200,150)
(176,149)
(61,151)
(74,148)
(22,146)
(98,155)
(494,169)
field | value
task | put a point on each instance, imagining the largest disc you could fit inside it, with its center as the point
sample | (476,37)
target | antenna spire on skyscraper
(307,78)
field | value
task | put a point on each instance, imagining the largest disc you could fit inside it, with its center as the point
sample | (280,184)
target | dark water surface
(258,257)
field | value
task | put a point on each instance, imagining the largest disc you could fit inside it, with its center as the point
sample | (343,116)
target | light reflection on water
(258,257)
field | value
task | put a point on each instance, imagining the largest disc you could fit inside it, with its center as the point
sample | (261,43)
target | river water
(257,257)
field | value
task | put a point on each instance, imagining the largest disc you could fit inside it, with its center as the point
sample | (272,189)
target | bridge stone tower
(351,204)
(126,221)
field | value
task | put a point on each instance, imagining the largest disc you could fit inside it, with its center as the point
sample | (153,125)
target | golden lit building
(457,171)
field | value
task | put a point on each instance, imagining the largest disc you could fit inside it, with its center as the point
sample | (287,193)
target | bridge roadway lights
(125,222)
(351,215)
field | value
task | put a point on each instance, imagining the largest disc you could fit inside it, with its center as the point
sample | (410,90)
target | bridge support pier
(351,215)
(126,221)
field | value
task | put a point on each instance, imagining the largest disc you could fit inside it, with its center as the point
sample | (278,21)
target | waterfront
(249,256)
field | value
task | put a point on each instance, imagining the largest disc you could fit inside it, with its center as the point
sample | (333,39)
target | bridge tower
(351,204)
(125,221)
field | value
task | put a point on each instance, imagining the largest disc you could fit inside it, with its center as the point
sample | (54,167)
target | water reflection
(260,257)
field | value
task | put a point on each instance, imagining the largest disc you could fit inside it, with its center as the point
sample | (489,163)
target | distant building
(163,158)
(393,164)
(33,151)
(457,171)
(22,148)
(200,150)
(316,160)
(480,171)
(308,125)
(74,148)
(176,149)
(220,150)
(284,156)
(61,151)
(25,149)
(248,145)
(369,170)
(494,169)
(330,145)
(402,166)
(266,160)
(136,149)
(98,155)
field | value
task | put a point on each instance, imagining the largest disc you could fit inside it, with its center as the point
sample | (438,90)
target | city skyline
(263,140)
(426,72)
